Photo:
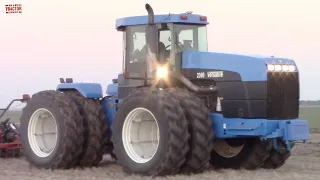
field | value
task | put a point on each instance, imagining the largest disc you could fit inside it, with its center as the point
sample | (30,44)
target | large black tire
(69,125)
(252,156)
(278,156)
(174,136)
(95,129)
(200,127)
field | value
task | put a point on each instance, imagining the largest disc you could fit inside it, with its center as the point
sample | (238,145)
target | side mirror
(152,37)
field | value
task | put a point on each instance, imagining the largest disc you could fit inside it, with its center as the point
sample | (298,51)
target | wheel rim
(225,150)
(42,132)
(140,135)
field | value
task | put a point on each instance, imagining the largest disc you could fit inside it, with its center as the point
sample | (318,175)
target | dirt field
(303,164)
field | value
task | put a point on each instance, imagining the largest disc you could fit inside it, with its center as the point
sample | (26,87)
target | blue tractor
(175,108)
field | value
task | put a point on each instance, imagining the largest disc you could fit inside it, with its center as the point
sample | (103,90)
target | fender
(88,90)
(112,89)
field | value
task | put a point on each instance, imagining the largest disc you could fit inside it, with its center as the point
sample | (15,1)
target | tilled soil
(303,164)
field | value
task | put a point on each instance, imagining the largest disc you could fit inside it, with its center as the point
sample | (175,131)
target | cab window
(190,37)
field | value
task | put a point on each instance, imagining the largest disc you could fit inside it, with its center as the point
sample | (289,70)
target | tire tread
(178,132)
(94,132)
(70,150)
(200,129)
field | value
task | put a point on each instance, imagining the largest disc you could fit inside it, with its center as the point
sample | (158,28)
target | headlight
(292,68)
(270,67)
(282,68)
(277,67)
(162,72)
(285,67)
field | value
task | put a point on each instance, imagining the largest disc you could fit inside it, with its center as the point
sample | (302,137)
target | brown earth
(303,164)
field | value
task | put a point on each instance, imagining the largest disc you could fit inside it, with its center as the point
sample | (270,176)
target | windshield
(190,37)
(173,39)
(136,46)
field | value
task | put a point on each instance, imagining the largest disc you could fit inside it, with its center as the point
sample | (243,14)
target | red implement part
(13,145)
(12,149)
(10,146)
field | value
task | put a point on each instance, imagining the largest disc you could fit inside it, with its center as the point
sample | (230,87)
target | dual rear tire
(62,130)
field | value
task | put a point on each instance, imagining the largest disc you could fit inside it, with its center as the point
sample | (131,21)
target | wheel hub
(226,150)
(42,132)
(140,135)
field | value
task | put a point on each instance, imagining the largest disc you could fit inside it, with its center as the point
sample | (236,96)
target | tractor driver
(163,53)
(142,54)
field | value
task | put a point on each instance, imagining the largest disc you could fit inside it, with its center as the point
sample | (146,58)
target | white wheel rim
(42,132)
(225,150)
(140,135)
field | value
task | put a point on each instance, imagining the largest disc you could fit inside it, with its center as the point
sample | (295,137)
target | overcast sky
(77,38)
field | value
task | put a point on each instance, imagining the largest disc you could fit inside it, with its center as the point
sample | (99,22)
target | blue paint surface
(250,68)
(112,89)
(109,106)
(88,90)
(162,18)
(290,130)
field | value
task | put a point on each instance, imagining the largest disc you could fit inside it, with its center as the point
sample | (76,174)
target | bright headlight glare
(162,72)
(278,67)
(292,68)
(285,67)
(270,67)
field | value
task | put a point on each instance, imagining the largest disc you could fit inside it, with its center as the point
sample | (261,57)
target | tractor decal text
(200,75)
(13,8)
(211,74)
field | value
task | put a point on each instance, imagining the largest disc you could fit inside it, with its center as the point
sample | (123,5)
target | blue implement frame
(289,130)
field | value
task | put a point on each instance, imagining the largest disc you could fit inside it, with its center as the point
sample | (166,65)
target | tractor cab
(163,36)
(173,38)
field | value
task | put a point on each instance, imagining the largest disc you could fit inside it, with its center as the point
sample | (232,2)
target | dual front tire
(178,122)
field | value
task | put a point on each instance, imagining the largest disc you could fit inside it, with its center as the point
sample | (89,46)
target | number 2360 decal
(212,74)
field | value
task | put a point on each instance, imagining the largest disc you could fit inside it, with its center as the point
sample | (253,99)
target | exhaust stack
(150,14)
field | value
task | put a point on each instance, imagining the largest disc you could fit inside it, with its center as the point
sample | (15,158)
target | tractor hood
(249,68)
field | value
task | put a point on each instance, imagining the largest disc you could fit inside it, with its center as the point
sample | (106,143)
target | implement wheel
(240,153)
(278,156)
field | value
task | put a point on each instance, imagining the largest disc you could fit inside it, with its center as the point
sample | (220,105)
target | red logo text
(13,8)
